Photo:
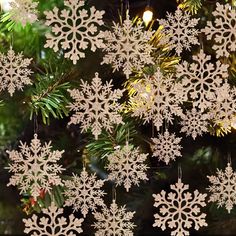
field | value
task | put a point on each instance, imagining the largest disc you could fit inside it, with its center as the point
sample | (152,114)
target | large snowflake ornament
(128,47)
(223,188)
(96,106)
(166,147)
(179,210)
(157,98)
(126,166)
(223,30)
(35,167)
(114,221)
(53,223)
(74,29)
(201,79)
(179,31)
(84,192)
(194,123)
(14,71)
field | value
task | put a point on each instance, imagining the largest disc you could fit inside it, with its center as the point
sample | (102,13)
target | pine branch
(191,6)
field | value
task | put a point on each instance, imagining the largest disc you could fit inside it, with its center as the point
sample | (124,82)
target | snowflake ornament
(166,147)
(223,188)
(179,210)
(114,221)
(157,98)
(201,79)
(126,166)
(34,168)
(23,11)
(223,30)
(128,47)
(84,192)
(96,106)
(74,29)
(179,31)
(14,71)
(53,223)
(195,123)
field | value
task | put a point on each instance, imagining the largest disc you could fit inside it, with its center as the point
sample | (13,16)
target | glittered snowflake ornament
(96,106)
(223,188)
(53,223)
(35,167)
(74,29)
(127,46)
(126,166)
(84,192)
(14,72)
(179,210)
(114,221)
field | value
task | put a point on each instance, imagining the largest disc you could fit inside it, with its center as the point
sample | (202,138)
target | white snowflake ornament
(126,166)
(96,106)
(74,29)
(223,188)
(23,11)
(201,79)
(179,31)
(222,30)
(179,210)
(34,167)
(84,192)
(166,147)
(128,47)
(14,71)
(53,223)
(194,123)
(157,98)
(114,221)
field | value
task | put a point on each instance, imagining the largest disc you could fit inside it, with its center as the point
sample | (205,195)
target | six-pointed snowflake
(223,188)
(128,47)
(166,147)
(14,71)
(223,31)
(114,221)
(75,29)
(180,31)
(201,79)
(96,106)
(23,11)
(194,123)
(53,223)
(179,210)
(34,167)
(157,99)
(84,192)
(126,166)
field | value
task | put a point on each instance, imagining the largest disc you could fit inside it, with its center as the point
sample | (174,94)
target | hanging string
(153,130)
(126,7)
(113,193)
(229,159)
(179,172)
(84,160)
(35,124)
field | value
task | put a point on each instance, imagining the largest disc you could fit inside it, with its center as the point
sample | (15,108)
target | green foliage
(191,6)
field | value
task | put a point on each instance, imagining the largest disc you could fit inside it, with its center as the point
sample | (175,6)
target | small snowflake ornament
(179,210)
(34,167)
(114,221)
(195,123)
(23,11)
(126,166)
(157,98)
(96,106)
(222,30)
(53,223)
(166,147)
(179,31)
(14,71)
(74,29)
(84,192)
(128,47)
(223,188)
(201,79)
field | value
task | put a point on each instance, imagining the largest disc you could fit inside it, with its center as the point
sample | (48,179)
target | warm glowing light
(147,15)
(233,125)
(5,4)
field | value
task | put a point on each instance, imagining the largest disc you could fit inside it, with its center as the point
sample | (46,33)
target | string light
(148,14)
